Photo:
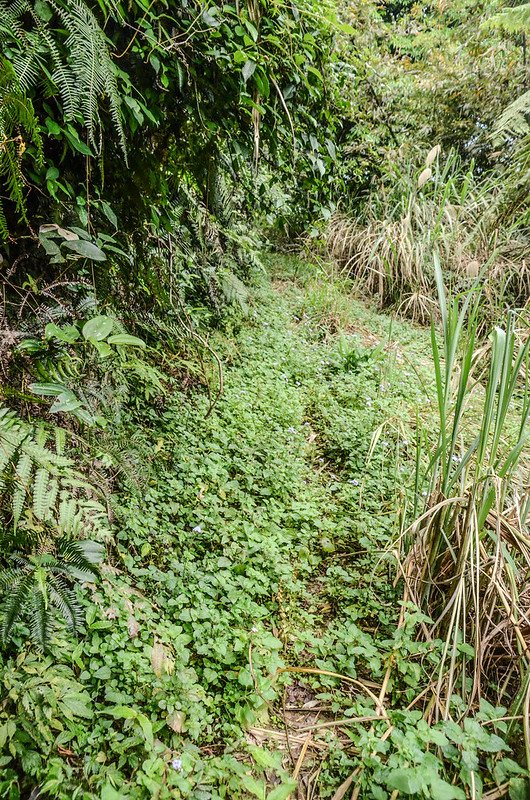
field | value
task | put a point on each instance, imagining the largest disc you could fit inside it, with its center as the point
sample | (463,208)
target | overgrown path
(269,524)
(253,560)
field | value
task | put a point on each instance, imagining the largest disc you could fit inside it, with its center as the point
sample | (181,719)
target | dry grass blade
(466,558)
(412,214)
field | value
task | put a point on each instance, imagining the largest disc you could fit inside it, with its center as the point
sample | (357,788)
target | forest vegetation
(264,400)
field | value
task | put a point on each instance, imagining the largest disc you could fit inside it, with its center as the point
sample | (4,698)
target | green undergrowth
(255,539)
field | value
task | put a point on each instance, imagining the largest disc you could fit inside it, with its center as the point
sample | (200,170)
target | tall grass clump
(415,211)
(466,557)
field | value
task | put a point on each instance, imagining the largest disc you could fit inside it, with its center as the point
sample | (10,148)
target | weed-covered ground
(244,640)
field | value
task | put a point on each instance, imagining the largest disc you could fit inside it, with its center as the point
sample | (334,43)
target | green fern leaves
(36,584)
(59,48)
(46,506)
(79,67)
(94,72)
(18,127)
(512,20)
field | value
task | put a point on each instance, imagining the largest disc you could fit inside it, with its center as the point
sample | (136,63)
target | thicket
(149,154)
(140,146)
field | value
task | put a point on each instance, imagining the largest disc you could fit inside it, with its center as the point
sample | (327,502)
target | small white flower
(253,629)
(197,529)
(354,482)
(177,764)
(291,430)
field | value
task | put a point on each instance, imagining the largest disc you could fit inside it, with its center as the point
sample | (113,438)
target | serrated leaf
(122,712)
(103,673)
(245,678)
(283,791)
(441,790)
(519,789)
(78,705)
(256,788)
(263,758)
(109,793)
(147,730)
(404,780)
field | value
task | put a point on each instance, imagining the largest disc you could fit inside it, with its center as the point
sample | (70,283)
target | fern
(81,67)
(23,475)
(18,126)
(512,20)
(513,121)
(47,579)
(40,490)
(46,506)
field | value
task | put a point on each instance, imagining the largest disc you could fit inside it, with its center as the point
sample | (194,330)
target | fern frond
(17,119)
(26,66)
(80,558)
(40,492)
(65,600)
(51,497)
(22,479)
(512,20)
(67,514)
(44,559)
(94,68)
(514,120)
(15,603)
(40,620)
(10,19)
(60,440)
(8,449)
(9,578)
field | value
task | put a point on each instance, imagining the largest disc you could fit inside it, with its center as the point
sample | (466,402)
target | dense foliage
(257,540)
